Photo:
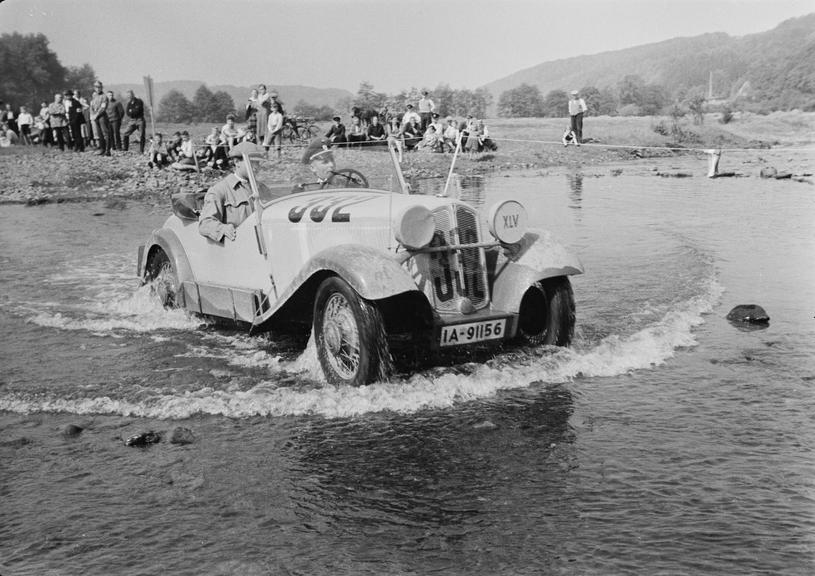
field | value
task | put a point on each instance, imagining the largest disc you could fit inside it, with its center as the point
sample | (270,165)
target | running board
(223,301)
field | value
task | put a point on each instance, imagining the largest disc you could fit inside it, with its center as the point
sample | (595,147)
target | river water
(665,441)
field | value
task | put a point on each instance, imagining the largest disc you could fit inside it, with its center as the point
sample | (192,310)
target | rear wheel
(160,273)
(346,178)
(547,314)
(350,335)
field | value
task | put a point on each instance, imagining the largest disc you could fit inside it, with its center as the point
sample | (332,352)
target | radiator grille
(456,274)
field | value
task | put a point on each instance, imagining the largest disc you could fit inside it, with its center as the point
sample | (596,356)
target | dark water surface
(665,441)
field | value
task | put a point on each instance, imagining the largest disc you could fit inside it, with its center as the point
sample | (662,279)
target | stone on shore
(749,313)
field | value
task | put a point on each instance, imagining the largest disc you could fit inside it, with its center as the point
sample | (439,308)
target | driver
(319,157)
(229,202)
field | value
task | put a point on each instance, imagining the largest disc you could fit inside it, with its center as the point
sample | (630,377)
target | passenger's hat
(337,118)
(68,93)
(410,105)
(574,92)
(97,83)
(248,148)
(435,114)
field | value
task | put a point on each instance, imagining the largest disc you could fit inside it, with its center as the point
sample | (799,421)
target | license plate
(473,332)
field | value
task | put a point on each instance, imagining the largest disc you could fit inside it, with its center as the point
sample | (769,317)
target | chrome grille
(450,276)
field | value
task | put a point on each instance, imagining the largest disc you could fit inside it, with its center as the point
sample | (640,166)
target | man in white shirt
(577,106)
(426,108)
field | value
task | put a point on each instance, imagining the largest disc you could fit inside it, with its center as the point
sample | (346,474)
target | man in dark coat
(135,121)
(116,114)
(76,119)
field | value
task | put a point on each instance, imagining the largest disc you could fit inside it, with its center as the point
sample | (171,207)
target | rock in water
(768,172)
(751,313)
(144,439)
(72,430)
(182,435)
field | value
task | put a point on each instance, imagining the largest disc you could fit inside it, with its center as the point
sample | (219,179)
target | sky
(392,44)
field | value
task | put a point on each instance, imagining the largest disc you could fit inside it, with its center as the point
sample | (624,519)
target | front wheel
(346,178)
(547,314)
(350,335)
(160,273)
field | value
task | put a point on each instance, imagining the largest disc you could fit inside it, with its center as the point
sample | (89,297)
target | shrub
(661,128)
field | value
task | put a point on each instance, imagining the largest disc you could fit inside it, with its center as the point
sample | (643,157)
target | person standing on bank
(99,117)
(58,117)
(76,119)
(426,108)
(135,121)
(577,107)
(116,113)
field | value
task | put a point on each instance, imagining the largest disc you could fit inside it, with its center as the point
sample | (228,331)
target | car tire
(350,336)
(547,313)
(346,178)
(162,277)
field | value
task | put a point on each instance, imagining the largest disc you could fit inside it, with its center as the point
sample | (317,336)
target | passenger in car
(229,202)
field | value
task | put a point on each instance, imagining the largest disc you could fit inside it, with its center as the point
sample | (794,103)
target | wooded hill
(773,70)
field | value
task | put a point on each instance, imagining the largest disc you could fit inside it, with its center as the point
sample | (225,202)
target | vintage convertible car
(367,268)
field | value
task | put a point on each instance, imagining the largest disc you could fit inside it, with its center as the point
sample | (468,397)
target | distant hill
(777,66)
(289,95)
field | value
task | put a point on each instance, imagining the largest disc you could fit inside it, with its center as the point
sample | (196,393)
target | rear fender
(166,240)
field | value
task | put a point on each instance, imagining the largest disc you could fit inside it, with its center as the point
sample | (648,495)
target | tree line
(632,96)
(30,72)
(206,106)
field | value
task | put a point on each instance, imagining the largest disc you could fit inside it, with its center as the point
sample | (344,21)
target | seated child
(158,155)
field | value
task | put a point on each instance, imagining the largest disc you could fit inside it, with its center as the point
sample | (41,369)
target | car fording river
(364,267)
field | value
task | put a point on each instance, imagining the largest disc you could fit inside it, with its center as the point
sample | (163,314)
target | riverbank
(783,140)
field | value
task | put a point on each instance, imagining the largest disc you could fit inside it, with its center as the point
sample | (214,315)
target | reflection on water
(469,189)
(575,181)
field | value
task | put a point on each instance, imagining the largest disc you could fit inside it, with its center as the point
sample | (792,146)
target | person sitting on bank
(376,131)
(356,134)
(450,135)
(158,154)
(229,202)
(336,134)
(430,141)
(186,154)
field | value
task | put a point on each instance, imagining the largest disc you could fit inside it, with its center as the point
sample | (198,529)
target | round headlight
(414,227)
(507,221)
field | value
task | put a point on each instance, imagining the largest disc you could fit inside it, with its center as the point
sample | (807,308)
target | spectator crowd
(103,124)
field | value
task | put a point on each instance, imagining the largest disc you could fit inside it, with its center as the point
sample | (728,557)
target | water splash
(646,348)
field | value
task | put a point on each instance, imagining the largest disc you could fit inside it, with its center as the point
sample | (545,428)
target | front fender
(536,258)
(369,271)
(166,240)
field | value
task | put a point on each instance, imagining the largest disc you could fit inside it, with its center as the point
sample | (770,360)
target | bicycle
(303,132)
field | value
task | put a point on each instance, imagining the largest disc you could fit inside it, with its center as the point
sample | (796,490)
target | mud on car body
(366,267)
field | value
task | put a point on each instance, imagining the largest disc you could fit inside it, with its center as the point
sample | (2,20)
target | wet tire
(547,313)
(350,336)
(346,178)
(162,277)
